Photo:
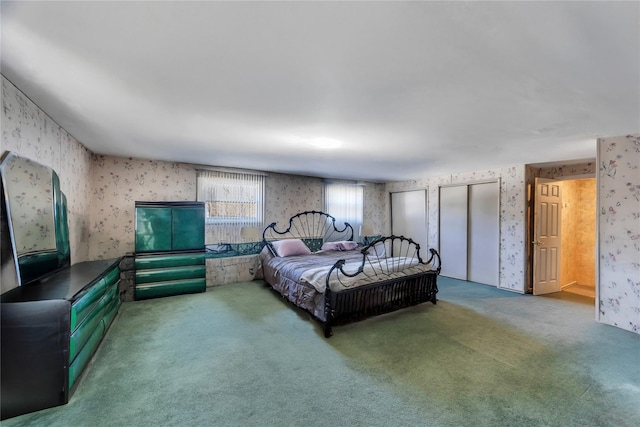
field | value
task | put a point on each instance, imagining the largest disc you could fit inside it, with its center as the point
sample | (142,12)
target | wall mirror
(35,212)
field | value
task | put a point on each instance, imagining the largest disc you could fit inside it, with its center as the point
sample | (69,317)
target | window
(345,202)
(233,200)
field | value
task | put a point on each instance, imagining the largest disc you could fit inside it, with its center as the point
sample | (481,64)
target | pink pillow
(290,247)
(344,245)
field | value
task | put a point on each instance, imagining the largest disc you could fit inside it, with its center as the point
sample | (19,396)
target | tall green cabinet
(170,254)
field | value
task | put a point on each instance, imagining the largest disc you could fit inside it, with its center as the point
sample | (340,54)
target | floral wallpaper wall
(619,231)
(119,182)
(29,132)
(287,195)
(376,210)
(569,170)
(512,216)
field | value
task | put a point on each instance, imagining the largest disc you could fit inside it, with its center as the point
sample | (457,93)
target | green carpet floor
(238,355)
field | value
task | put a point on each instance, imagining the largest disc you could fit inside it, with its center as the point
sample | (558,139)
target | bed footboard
(384,263)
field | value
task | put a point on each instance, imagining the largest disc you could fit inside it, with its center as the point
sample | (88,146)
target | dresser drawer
(112,277)
(113,289)
(168,274)
(82,334)
(165,261)
(84,331)
(110,313)
(81,360)
(168,288)
(83,305)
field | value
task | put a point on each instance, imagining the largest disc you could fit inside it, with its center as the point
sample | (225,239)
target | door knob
(537,242)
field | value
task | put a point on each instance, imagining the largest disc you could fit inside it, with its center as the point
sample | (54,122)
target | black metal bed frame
(313,227)
(381,296)
(388,291)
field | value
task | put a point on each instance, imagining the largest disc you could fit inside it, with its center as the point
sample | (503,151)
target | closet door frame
(467,255)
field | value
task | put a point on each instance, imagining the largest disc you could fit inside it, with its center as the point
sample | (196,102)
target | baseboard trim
(568,285)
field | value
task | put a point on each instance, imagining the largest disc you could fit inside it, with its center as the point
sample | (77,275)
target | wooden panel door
(546,241)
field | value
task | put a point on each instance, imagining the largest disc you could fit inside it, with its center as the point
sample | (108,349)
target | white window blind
(233,200)
(345,202)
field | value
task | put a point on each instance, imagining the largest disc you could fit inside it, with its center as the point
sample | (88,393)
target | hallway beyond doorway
(584,290)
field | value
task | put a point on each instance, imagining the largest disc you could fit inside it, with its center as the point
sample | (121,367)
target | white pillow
(290,247)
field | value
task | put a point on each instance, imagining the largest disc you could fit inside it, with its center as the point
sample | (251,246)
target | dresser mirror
(35,215)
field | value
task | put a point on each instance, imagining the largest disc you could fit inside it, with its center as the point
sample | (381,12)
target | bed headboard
(313,227)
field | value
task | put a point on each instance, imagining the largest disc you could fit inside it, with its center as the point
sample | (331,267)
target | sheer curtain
(233,200)
(345,201)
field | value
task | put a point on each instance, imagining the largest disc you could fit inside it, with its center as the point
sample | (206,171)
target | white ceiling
(404,89)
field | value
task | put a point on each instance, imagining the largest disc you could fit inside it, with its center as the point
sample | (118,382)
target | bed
(315,264)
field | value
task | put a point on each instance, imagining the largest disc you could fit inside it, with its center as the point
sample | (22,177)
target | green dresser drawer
(78,365)
(84,331)
(174,260)
(83,305)
(82,334)
(110,313)
(113,289)
(169,288)
(110,295)
(112,303)
(168,274)
(112,277)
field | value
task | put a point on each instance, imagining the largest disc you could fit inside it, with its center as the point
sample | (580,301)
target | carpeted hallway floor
(238,355)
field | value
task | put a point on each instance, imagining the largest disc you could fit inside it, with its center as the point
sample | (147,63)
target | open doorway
(578,239)
(564,236)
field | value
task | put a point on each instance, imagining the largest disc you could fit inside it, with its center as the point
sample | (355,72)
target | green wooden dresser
(50,330)
(170,255)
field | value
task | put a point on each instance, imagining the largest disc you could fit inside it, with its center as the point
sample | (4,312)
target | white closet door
(409,217)
(453,231)
(483,237)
